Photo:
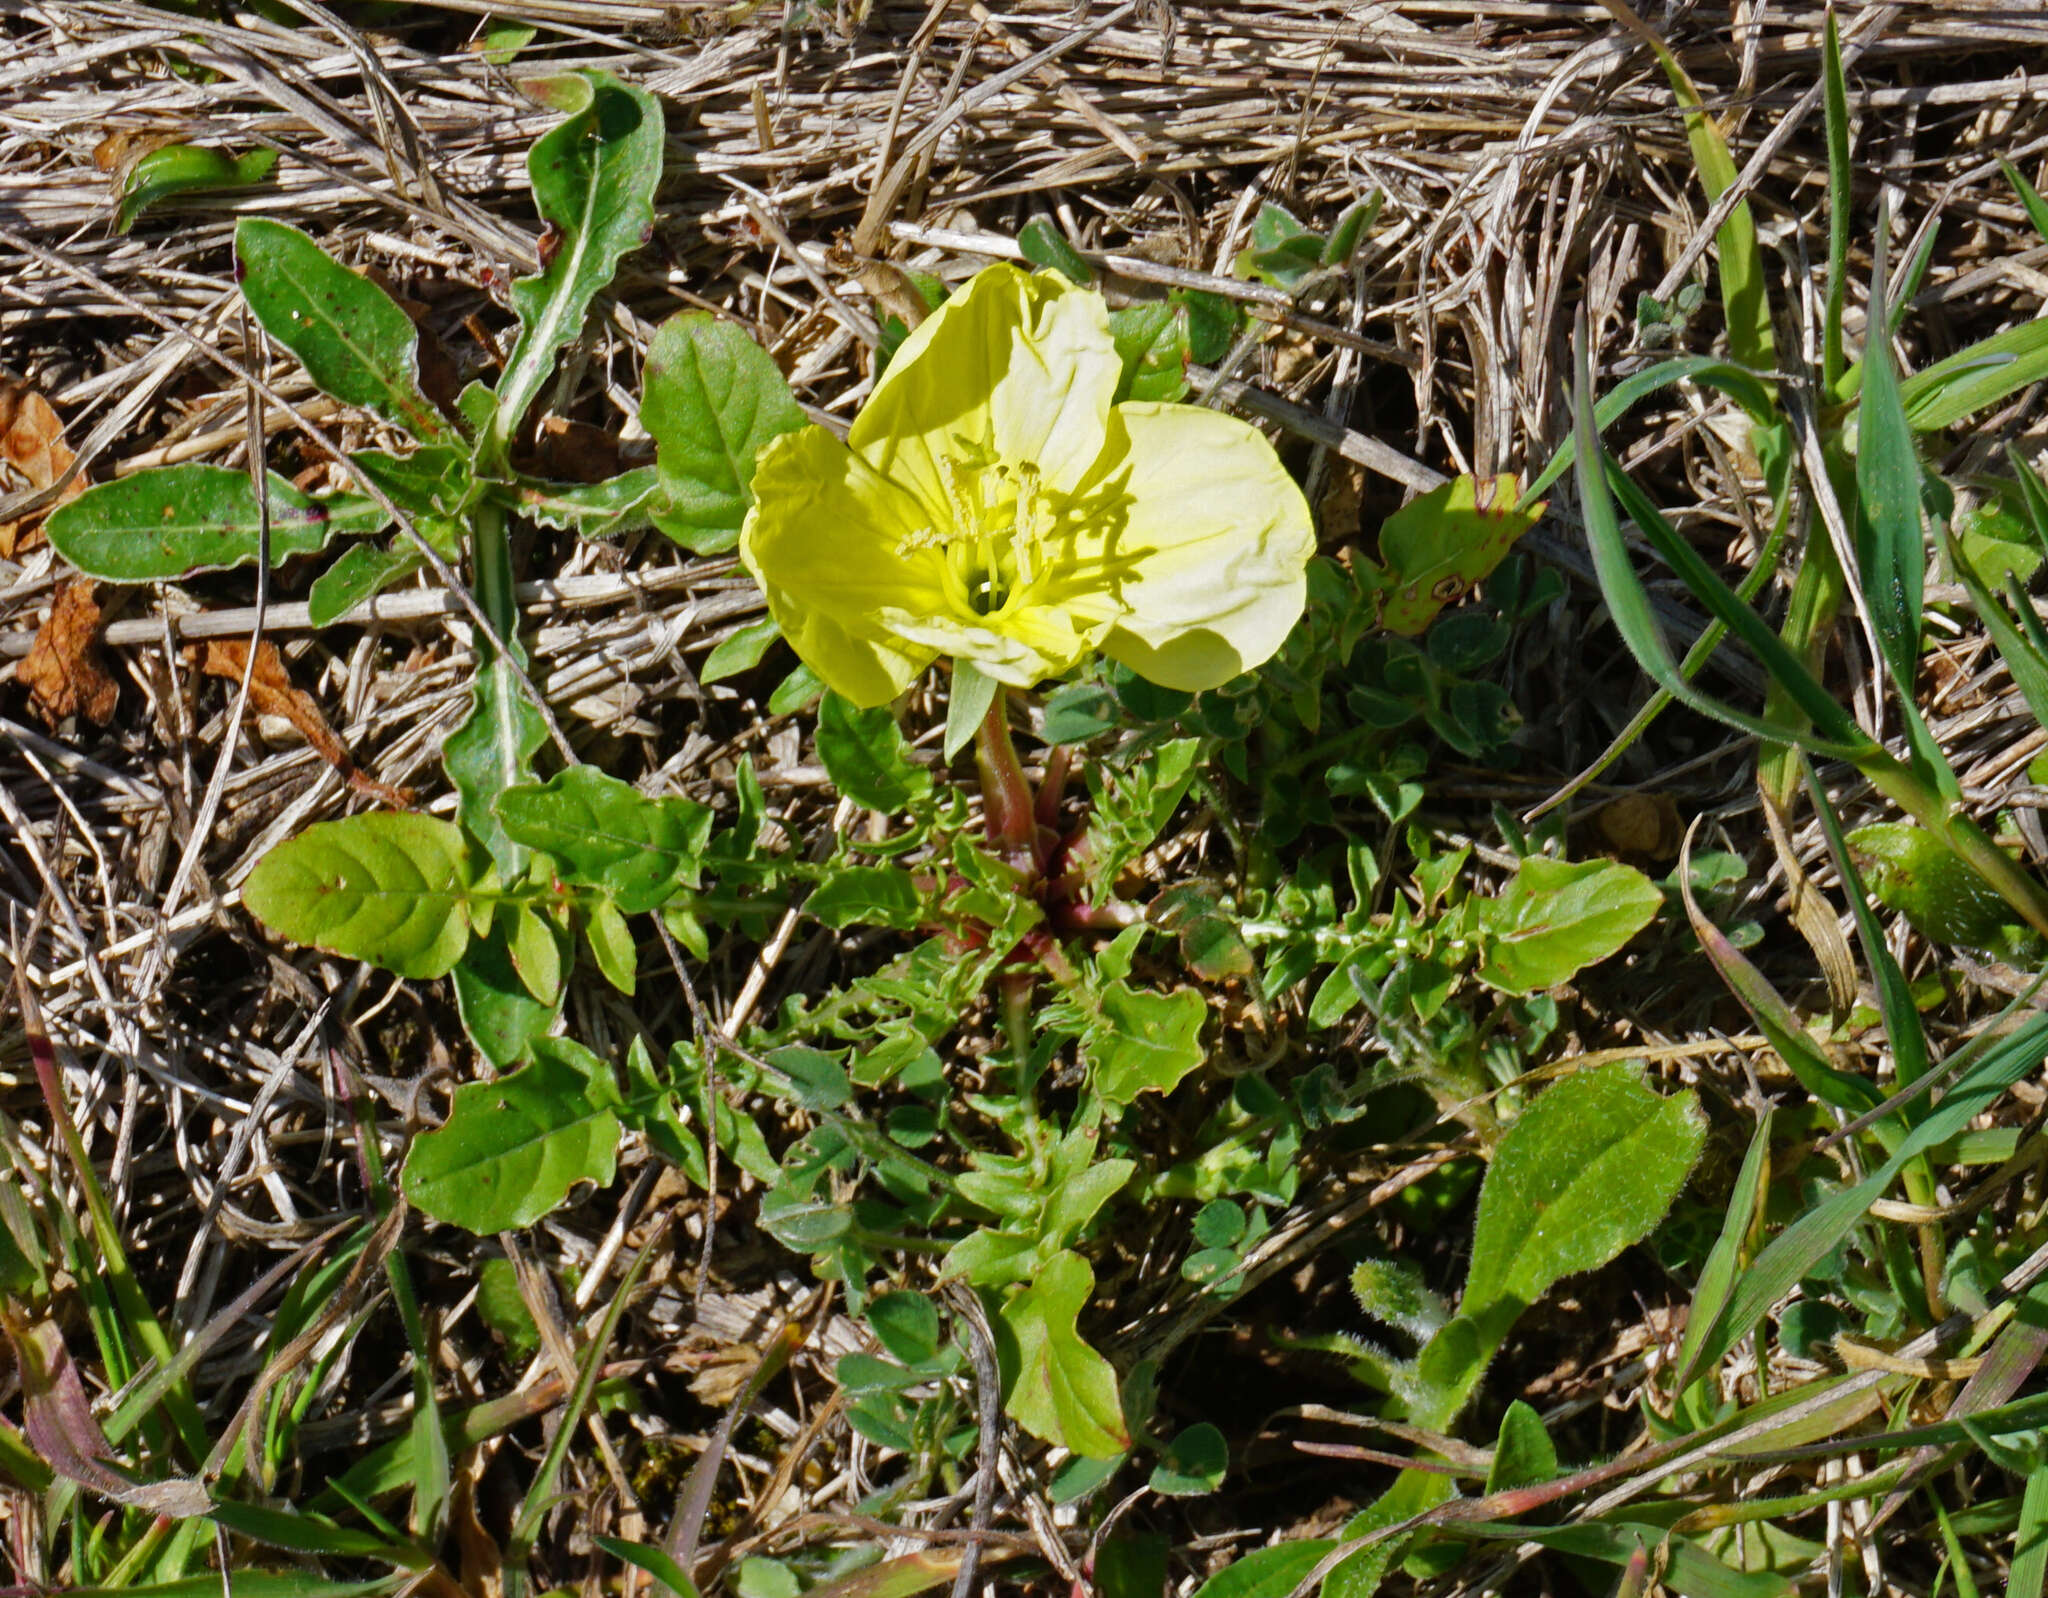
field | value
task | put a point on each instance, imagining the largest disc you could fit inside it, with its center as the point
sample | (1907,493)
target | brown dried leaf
(33,455)
(272,693)
(64,670)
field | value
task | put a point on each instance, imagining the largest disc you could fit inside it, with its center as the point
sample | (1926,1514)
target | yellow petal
(1216,540)
(834,544)
(1018,366)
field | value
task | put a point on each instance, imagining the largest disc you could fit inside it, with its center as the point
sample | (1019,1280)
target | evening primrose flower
(992,505)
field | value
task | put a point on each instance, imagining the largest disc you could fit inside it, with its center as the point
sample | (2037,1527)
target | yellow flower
(991,504)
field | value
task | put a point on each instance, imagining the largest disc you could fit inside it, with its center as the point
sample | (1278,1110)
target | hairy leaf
(390,889)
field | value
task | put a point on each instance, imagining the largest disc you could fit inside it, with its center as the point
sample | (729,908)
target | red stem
(1008,806)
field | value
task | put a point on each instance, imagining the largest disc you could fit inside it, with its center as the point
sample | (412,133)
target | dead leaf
(33,456)
(1642,824)
(58,1420)
(64,670)
(272,693)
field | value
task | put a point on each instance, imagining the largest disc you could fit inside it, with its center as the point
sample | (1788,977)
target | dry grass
(1531,161)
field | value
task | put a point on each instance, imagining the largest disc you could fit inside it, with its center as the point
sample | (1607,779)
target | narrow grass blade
(1891,542)
(2030,198)
(1795,1251)
(2029,1572)
(1717,1276)
(1841,201)
(2016,645)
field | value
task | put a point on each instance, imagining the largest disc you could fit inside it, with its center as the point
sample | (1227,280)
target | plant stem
(1009,809)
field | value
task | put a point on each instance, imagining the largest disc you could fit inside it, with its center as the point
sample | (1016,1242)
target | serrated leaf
(590,510)
(1588,1169)
(362,573)
(158,526)
(390,889)
(178,169)
(609,835)
(351,336)
(1556,917)
(712,399)
(1064,1392)
(1149,1043)
(1438,547)
(511,1150)
(594,177)
(881,896)
(867,756)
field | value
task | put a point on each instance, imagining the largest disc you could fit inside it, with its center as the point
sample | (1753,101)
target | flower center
(996,548)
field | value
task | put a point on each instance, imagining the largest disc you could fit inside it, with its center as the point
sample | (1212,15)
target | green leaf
(1438,547)
(1282,252)
(1891,546)
(1556,917)
(1978,375)
(1064,1391)
(1152,341)
(907,1324)
(363,572)
(1585,1171)
(536,952)
(881,896)
(2030,198)
(511,1150)
(594,177)
(668,1575)
(1149,1043)
(739,650)
(1268,1572)
(612,946)
(178,169)
(391,889)
(161,525)
(1912,872)
(1043,244)
(967,700)
(1717,1275)
(1523,1454)
(713,400)
(432,480)
(867,756)
(490,754)
(1350,227)
(500,1016)
(1195,1463)
(620,504)
(351,336)
(502,1307)
(609,835)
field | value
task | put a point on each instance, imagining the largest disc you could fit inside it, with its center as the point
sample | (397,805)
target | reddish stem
(1008,807)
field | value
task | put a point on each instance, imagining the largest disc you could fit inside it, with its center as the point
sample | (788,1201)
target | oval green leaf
(1557,917)
(390,889)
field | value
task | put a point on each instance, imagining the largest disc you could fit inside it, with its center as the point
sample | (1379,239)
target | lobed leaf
(394,890)
(594,177)
(1064,1392)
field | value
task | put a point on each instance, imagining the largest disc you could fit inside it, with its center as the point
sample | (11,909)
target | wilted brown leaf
(63,670)
(33,456)
(272,693)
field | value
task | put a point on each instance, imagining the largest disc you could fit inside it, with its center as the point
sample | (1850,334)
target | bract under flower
(992,504)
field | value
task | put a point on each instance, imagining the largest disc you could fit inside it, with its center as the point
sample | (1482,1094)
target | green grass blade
(1841,201)
(1890,537)
(1717,1276)
(2029,1573)
(2017,646)
(2030,198)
